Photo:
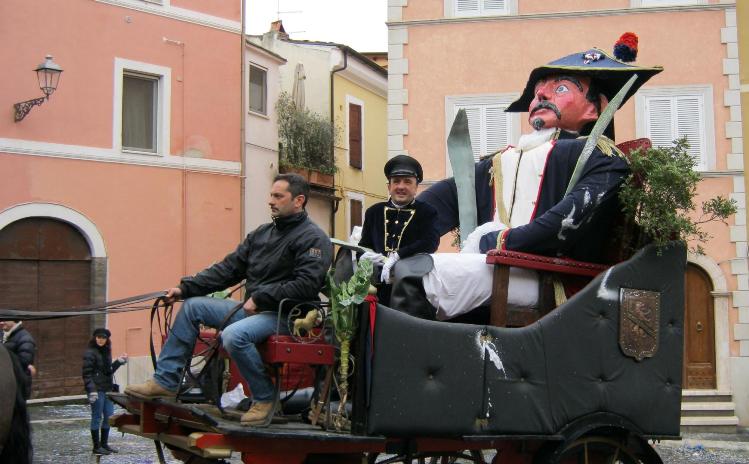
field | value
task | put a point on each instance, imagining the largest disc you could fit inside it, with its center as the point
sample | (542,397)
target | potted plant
(659,197)
(306,141)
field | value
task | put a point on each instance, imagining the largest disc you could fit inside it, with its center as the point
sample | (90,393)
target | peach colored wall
(420,10)
(84,39)
(444,60)
(157,224)
(229,9)
(454,58)
(138,212)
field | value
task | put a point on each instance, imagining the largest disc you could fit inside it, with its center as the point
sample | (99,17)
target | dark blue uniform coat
(409,230)
(587,212)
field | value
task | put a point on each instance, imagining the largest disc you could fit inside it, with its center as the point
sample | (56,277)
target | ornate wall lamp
(48,74)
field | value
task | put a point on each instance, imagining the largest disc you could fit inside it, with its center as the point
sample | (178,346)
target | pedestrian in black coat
(19,341)
(98,370)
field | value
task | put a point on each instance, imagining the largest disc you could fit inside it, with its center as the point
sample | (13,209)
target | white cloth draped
(462,281)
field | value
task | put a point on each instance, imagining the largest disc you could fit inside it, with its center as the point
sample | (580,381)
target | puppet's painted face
(560,101)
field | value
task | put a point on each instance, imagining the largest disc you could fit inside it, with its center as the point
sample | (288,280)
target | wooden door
(46,265)
(699,331)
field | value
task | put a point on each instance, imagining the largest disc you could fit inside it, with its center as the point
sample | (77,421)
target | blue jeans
(239,338)
(102,408)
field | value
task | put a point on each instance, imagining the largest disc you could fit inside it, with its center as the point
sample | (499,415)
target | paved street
(61,436)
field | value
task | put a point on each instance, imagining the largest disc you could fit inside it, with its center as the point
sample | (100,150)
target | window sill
(260,115)
(138,152)
(482,14)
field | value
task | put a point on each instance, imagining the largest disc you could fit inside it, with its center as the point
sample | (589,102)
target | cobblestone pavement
(61,435)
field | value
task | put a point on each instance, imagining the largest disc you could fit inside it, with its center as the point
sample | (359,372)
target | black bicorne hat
(404,165)
(610,75)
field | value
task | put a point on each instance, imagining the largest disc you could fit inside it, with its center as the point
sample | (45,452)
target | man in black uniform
(402,226)
(287,258)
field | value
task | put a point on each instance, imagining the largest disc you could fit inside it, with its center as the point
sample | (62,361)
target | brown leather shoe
(260,414)
(149,390)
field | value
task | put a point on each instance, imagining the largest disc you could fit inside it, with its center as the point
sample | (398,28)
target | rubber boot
(97,445)
(105,441)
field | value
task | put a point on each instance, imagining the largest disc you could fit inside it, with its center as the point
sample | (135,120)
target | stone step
(723,424)
(702,396)
(707,409)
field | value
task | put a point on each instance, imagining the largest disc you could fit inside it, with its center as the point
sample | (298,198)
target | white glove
(373,256)
(388,266)
(92,397)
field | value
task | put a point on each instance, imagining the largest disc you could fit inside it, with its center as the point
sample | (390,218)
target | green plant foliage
(346,297)
(659,196)
(306,139)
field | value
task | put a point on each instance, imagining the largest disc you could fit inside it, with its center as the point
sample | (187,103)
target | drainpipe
(332,121)
(242,124)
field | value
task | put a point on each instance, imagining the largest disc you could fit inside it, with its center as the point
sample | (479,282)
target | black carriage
(595,380)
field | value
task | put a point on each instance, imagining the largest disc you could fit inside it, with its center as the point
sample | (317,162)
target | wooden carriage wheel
(599,449)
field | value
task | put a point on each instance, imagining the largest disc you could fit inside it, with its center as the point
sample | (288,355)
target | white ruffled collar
(536,138)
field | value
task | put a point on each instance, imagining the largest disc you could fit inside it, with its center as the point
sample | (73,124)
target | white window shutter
(474,128)
(659,121)
(497,130)
(467,6)
(494,6)
(689,124)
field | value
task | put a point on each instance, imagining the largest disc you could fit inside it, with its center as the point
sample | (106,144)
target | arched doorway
(46,264)
(699,331)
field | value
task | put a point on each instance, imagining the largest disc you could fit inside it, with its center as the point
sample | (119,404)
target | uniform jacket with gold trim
(576,225)
(408,230)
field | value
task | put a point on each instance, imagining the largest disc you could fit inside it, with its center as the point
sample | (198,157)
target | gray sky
(360,24)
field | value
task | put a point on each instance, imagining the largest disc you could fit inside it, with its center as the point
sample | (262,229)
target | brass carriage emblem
(639,319)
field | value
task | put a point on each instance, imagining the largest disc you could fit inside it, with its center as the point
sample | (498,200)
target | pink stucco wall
(446,60)
(436,9)
(486,56)
(84,39)
(228,9)
(157,223)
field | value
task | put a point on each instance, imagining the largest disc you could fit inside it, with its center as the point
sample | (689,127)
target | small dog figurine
(306,323)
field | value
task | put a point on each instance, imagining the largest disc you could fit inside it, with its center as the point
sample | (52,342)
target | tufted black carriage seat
(436,379)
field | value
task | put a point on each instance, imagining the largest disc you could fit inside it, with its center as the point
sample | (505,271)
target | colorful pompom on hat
(610,72)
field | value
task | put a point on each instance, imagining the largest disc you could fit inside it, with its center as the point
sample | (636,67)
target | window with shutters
(355,213)
(648,3)
(668,114)
(463,8)
(355,130)
(490,128)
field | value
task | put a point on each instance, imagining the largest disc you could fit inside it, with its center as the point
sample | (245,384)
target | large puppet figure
(524,200)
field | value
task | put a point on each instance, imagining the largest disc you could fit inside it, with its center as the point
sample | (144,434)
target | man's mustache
(549,106)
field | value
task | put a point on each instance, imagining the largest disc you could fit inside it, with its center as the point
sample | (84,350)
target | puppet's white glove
(92,397)
(388,266)
(376,258)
